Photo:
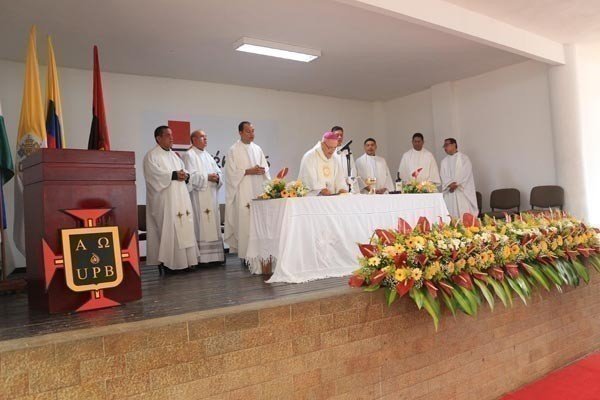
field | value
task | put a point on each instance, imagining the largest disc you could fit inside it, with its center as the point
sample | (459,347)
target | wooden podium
(66,189)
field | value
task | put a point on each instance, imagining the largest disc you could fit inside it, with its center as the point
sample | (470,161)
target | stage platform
(222,334)
(206,288)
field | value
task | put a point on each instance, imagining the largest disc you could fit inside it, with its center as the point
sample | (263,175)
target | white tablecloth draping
(315,237)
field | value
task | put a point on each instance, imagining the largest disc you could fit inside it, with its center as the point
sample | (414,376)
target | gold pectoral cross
(179,215)
(248,206)
(187,213)
(207,212)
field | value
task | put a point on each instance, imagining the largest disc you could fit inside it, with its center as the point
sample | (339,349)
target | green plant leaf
(506,288)
(417,296)
(433,308)
(474,300)
(485,292)
(462,301)
(538,276)
(595,261)
(372,288)
(581,271)
(450,303)
(551,274)
(391,295)
(517,289)
(523,284)
(499,290)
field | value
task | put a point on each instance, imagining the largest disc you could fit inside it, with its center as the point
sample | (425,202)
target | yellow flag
(32,133)
(55,134)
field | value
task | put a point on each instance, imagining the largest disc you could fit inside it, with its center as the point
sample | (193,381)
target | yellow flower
(374,261)
(416,274)
(554,245)
(506,252)
(399,248)
(559,241)
(450,267)
(474,229)
(485,258)
(471,261)
(460,264)
(402,274)
(285,194)
(515,250)
(432,270)
(544,246)
(292,193)
(410,243)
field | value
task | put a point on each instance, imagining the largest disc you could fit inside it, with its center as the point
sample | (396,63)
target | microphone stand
(349,169)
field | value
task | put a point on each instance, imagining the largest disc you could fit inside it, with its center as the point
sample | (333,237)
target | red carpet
(580,381)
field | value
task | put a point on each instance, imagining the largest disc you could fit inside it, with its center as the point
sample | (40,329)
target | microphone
(346,146)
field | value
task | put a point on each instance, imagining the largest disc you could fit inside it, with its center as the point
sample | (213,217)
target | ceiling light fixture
(274,49)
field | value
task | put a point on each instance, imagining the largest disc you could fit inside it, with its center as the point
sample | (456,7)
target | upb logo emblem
(92,258)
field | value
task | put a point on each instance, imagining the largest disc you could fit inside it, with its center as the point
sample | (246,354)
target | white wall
(287,124)
(502,121)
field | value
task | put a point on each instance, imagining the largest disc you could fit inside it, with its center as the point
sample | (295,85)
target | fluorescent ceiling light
(274,49)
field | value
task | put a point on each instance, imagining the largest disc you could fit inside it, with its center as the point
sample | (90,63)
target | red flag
(99,139)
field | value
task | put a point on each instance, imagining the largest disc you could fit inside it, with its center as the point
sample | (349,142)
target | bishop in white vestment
(371,166)
(205,182)
(419,158)
(169,214)
(458,184)
(246,171)
(320,170)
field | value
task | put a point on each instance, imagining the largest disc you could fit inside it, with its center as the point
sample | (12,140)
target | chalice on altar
(371,184)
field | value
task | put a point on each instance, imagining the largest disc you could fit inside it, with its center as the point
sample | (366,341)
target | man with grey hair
(205,182)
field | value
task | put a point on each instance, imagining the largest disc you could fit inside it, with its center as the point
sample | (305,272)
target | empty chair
(479,203)
(504,201)
(546,197)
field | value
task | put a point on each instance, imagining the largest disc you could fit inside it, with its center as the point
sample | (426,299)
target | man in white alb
(205,182)
(458,184)
(246,171)
(169,213)
(342,156)
(320,171)
(419,158)
(370,166)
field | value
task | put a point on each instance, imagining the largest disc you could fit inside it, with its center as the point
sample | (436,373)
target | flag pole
(7,285)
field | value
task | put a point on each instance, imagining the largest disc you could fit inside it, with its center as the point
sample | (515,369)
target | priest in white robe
(350,176)
(458,184)
(371,167)
(246,171)
(320,170)
(205,182)
(419,158)
(171,242)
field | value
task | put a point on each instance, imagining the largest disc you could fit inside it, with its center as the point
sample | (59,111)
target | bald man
(205,182)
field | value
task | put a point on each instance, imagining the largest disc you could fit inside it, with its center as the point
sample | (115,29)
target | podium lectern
(67,189)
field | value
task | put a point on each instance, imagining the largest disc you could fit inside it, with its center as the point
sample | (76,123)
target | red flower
(513,270)
(281,174)
(386,237)
(431,288)
(463,279)
(403,227)
(377,277)
(356,281)
(424,225)
(368,250)
(404,287)
(416,173)
(400,259)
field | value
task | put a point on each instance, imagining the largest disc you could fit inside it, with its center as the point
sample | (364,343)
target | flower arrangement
(413,186)
(468,261)
(278,188)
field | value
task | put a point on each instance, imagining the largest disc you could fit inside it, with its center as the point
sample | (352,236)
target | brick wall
(347,346)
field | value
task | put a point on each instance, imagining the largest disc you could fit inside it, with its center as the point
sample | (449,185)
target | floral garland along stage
(278,188)
(468,261)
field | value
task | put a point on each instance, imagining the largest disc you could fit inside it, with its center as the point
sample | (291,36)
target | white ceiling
(365,55)
(566,21)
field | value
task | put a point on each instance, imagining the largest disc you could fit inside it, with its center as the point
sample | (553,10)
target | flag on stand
(54,122)
(7,169)
(31,136)
(99,139)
